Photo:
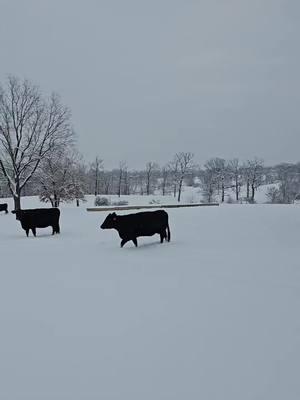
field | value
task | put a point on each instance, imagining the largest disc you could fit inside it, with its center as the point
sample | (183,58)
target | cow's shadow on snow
(31,237)
(144,246)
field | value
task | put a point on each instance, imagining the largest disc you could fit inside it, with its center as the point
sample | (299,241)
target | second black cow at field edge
(132,226)
(38,218)
(4,207)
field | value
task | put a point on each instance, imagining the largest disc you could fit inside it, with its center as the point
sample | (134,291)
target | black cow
(131,226)
(4,207)
(38,218)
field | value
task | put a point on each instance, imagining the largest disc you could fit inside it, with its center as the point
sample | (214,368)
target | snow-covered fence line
(116,208)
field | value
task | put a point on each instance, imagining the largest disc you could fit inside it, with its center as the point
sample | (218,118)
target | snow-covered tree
(31,127)
(61,178)
(78,180)
(288,178)
(219,174)
(273,195)
(236,175)
(255,174)
(208,184)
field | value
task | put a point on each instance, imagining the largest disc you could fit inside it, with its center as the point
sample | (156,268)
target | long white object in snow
(114,208)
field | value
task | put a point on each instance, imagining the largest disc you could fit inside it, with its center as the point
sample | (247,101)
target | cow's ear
(114,214)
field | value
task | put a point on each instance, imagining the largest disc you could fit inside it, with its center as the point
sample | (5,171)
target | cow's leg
(33,231)
(162,236)
(135,241)
(27,232)
(57,228)
(6,212)
(53,230)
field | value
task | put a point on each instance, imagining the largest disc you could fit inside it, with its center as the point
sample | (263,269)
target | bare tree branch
(31,127)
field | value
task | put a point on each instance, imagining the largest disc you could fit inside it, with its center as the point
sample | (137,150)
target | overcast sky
(148,78)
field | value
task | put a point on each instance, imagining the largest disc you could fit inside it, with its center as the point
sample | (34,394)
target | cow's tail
(168,232)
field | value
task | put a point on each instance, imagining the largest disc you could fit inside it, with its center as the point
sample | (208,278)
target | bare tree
(97,167)
(208,184)
(174,172)
(184,162)
(246,173)
(165,174)
(273,195)
(218,169)
(235,172)
(122,168)
(288,179)
(31,127)
(151,168)
(255,175)
(134,181)
(108,179)
(126,182)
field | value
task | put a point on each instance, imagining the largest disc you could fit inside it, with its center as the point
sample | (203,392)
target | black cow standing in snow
(38,218)
(4,207)
(131,226)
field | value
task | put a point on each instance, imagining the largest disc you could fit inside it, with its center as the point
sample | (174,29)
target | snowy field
(212,315)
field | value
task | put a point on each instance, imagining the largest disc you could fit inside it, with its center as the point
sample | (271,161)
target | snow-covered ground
(214,314)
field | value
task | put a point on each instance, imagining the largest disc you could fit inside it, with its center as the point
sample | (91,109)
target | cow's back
(41,217)
(145,223)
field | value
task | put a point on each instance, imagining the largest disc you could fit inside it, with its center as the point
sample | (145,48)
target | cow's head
(110,221)
(18,214)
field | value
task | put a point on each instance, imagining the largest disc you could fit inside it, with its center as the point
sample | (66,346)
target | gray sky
(145,79)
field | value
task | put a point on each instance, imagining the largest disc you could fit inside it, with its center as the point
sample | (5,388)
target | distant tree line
(38,156)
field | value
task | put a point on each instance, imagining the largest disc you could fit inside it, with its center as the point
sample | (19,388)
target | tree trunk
(236,190)
(17,198)
(17,202)
(252,192)
(119,186)
(96,183)
(179,190)
(55,200)
(248,189)
(148,185)
(209,194)
(164,186)
(223,193)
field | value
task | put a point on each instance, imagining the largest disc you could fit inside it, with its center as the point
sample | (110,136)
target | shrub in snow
(154,201)
(191,199)
(230,200)
(248,200)
(273,195)
(101,201)
(120,203)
